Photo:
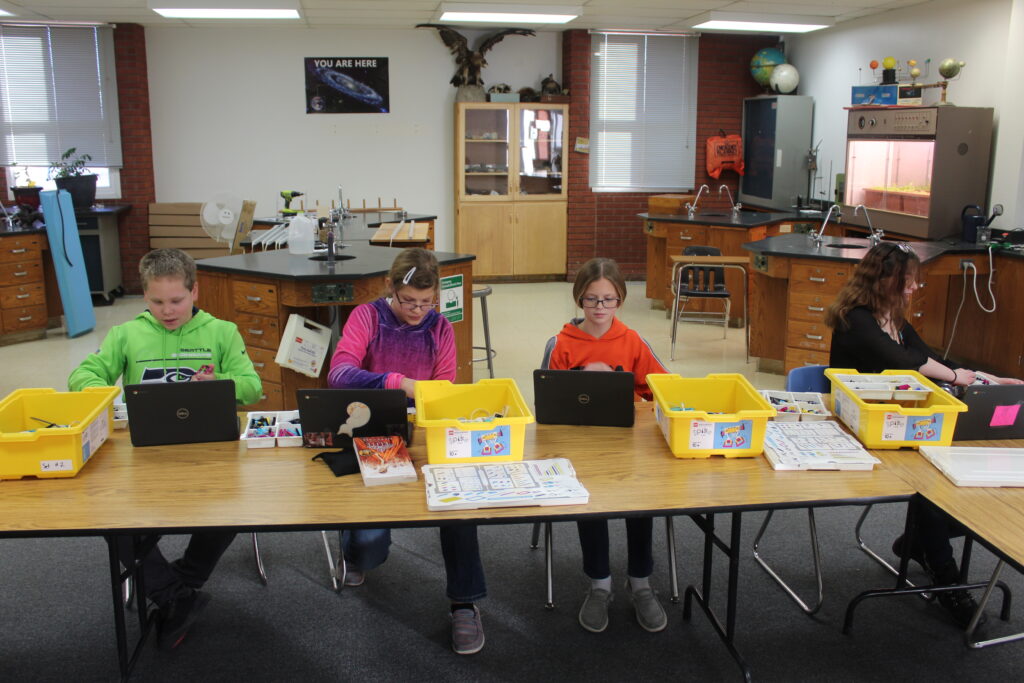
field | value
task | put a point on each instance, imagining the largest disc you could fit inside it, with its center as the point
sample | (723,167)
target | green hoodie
(143,350)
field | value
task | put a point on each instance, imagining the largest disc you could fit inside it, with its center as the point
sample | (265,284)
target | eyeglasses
(412,305)
(594,302)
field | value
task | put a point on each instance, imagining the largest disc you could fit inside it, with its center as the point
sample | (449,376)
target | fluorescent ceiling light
(508,14)
(5,13)
(759,23)
(226,9)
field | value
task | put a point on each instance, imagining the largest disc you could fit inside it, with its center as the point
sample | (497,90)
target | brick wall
(137,182)
(605,223)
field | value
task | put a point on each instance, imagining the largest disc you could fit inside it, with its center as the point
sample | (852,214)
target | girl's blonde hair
(416,268)
(594,270)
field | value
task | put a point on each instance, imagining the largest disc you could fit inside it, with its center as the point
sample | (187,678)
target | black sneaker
(176,618)
(960,606)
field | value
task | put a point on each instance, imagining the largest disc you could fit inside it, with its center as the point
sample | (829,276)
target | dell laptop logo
(583,399)
(182,413)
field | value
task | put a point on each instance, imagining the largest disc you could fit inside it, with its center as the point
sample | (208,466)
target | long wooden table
(628,472)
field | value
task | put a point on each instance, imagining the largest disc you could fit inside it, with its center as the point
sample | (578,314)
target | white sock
(604,584)
(636,583)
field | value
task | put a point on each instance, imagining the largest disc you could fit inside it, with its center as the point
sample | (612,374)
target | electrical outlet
(964,262)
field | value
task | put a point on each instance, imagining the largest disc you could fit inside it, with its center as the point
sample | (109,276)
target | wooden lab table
(628,472)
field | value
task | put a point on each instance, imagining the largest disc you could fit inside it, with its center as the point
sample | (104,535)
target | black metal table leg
(126,661)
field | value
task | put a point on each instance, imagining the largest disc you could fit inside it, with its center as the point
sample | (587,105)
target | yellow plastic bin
(446,411)
(28,448)
(721,414)
(885,412)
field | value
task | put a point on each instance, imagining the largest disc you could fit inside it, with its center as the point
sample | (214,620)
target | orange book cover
(383,460)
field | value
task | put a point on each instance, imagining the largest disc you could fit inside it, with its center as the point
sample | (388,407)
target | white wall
(977,32)
(228,114)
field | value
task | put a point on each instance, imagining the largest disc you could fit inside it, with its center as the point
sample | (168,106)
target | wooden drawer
(30,294)
(254,297)
(817,278)
(21,248)
(25,318)
(272,398)
(805,335)
(679,236)
(797,358)
(809,306)
(259,330)
(263,361)
(20,272)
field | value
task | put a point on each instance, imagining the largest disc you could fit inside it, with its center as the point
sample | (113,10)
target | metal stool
(482,292)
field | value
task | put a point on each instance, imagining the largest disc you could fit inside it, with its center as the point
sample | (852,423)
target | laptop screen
(331,417)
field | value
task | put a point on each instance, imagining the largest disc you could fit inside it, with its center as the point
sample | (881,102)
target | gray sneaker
(594,612)
(649,612)
(353,578)
(467,631)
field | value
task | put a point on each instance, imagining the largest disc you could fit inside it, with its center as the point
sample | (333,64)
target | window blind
(643,115)
(58,90)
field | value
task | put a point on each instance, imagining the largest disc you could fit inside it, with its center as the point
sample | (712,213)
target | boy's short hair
(425,273)
(596,269)
(167,263)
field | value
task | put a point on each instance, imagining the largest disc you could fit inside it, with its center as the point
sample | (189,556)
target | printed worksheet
(814,446)
(505,484)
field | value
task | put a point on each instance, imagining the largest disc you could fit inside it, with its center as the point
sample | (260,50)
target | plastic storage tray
(28,448)
(283,429)
(461,423)
(885,415)
(721,414)
(797,406)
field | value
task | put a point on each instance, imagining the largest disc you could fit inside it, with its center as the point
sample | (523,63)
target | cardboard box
(670,204)
(875,94)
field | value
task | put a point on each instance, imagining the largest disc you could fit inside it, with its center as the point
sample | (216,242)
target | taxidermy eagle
(471,62)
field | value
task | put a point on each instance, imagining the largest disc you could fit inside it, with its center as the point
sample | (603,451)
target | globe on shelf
(764,62)
(784,78)
(950,68)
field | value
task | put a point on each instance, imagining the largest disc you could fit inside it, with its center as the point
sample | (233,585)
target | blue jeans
(594,544)
(366,549)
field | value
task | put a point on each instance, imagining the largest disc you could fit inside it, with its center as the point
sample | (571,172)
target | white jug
(301,235)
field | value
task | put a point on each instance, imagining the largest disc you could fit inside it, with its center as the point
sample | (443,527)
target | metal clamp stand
(706,522)
(816,554)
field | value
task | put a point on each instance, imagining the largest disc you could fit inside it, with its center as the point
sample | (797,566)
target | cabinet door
(541,132)
(486,230)
(482,160)
(539,243)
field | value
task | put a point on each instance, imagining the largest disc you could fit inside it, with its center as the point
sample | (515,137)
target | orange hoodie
(620,347)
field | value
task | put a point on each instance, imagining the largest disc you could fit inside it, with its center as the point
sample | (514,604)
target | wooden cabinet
(22,290)
(510,188)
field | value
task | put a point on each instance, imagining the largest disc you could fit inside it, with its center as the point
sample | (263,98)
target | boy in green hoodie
(173,341)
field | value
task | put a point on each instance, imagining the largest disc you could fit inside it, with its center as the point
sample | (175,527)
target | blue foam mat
(68,262)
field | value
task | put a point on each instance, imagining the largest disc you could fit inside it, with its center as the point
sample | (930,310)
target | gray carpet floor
(55,608)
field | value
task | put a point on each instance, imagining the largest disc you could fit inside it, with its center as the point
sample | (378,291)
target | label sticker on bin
(718,435)
(54,465)
(898,427)
(478,444)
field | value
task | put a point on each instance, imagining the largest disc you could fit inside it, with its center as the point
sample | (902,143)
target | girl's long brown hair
(877,284)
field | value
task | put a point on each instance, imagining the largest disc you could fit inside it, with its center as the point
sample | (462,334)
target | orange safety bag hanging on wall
(724,152)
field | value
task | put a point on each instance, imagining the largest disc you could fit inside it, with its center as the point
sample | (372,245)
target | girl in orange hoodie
(600,341)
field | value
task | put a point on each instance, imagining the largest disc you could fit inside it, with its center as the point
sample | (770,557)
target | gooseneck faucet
(817,236)
(876,235)
(735,207)
(692,208)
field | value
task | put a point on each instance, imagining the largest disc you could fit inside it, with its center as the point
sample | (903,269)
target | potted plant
(71,174)
(25,189)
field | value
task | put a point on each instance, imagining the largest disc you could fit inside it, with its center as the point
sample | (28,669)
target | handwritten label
(54,465)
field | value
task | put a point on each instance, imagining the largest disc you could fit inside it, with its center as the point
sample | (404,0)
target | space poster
(347,85)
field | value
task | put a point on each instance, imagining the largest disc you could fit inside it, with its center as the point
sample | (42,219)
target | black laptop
(162,413)
(581,397)
(331,417)
(994,411)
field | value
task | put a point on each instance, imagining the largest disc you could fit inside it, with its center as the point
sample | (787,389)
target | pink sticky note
(1004,416)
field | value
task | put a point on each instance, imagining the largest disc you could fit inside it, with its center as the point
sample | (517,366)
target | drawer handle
(259,365)
(685,237)
(919,314)
(18,251)
(21,273)
(263,397)
(807,362)
(815,337)
(817,279)
(22,296)
(256,299)
(24,318)
(250,331)
(816,309)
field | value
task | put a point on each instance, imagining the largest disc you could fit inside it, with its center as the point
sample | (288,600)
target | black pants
(934,528)
(167,581)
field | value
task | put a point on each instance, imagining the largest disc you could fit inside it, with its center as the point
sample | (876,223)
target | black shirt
(862,344)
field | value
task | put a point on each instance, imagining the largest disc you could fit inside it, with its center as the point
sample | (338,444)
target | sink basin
(323,257)
(845,246)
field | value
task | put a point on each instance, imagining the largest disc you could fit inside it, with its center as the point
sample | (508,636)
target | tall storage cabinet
(510,187)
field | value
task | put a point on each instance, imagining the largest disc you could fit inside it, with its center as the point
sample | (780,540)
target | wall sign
(347,85)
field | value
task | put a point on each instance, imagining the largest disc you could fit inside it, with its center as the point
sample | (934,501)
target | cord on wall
(966,265)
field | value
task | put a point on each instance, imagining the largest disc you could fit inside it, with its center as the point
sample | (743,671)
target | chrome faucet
(692,208)
(876,235)
(817,236)
(734,207)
